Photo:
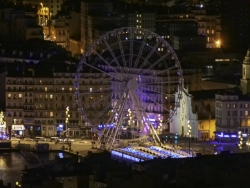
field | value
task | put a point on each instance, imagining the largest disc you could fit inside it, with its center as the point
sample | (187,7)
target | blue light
(233,136)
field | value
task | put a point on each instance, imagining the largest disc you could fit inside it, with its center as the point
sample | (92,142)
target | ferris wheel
(125,85)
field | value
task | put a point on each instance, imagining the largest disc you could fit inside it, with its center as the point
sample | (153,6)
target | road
(203,147)
(80,146)
(211,147)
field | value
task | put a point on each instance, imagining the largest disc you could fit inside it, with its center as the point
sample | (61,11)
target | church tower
(245,80)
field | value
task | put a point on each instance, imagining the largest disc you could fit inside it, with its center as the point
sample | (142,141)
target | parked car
(66,140)
(28,139)
(54,139)
(40,138)
(15,139)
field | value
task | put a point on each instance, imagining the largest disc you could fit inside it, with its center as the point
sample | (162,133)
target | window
(51,96)
(20,95)
(62,88)
(228,105)
(234,106)
(51,114)
(90,89)
(246,105)
(45,89)
(9,96)
(70,88)
(246,113)
(228,113)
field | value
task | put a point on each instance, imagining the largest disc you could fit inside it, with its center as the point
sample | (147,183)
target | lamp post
(240,140)
(189,134)
(248,144)
(67,115)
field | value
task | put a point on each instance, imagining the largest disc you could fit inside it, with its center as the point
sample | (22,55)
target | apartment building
(16,26)
(232,108)
(37,98)
(90,6)
(142,19)
(209,26)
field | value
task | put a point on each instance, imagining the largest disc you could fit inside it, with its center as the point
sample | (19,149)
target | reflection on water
(12,163)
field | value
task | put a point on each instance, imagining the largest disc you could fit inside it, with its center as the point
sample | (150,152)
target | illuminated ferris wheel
(124,85)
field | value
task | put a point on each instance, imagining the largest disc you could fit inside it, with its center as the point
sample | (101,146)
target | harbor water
(12,164)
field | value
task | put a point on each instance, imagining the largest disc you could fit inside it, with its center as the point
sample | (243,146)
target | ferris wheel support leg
(117,111)
(152,130)
(120,120)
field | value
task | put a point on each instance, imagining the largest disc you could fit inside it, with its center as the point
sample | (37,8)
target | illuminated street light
(248,144)
(67,115)
(218,43)
(189,134)
(240,139)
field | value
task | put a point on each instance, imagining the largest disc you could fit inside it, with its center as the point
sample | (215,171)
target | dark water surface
(12,164)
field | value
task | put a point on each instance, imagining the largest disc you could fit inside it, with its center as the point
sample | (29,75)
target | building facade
(184,117)
(232,108)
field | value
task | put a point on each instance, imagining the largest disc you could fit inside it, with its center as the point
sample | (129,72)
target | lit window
(90,89)
(62,88)
(9,96)
(51,96)
(246,113)
(45,89)
(234,106)
(40,81)
(70,88)
(228,105)
(51,114)
(246,105)
(20,95)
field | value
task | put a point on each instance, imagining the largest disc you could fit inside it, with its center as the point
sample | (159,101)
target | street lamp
(67,115)
(189,134)
(248,144)
(240,140)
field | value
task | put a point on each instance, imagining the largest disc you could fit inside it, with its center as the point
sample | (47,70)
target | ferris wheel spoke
(116,111)
(101,113)
(156,62)
(159,82)
(96,102)
(107,130)
(94,67)
(152,129)
(151,98)
(141,50)
(131,48)
(112,139)
(150,54)
(165,71)
(113,55)
(122,51)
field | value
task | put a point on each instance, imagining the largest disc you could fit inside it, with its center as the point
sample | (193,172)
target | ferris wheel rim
(97,41)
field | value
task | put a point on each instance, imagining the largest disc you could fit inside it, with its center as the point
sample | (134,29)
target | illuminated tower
(245,81)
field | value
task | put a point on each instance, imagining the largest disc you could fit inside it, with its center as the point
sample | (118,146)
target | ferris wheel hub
(132,84)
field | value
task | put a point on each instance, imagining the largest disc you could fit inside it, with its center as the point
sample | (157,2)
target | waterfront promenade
(80,146)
